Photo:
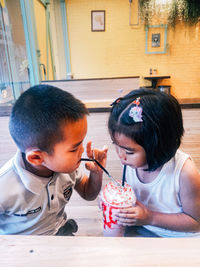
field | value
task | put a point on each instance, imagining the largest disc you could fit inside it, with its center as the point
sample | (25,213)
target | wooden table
(51,251)
(154,79)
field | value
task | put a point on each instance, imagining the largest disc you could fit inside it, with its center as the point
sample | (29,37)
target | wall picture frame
(98,20)
(156,39)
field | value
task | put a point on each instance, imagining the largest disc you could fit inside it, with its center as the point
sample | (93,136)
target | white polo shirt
(30,204)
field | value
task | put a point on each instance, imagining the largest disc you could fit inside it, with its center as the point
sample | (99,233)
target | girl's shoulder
(190,173)
(190,189)
(180,155)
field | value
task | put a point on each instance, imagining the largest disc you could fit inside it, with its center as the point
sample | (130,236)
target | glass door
(14,68)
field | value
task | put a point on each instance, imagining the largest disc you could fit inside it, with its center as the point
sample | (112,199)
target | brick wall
(120,50)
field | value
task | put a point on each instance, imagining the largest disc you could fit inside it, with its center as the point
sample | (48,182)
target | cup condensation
(114,197)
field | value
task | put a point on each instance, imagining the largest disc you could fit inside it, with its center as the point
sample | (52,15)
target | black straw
(82,159)
(124,175)
(115,181)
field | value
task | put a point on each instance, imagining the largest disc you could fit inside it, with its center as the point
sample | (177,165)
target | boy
(48,126)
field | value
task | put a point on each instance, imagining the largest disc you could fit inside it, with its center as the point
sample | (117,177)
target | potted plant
(170,11)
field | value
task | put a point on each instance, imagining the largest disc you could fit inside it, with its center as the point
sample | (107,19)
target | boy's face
(67,154)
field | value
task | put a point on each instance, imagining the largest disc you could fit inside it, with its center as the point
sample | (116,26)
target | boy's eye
(74,150)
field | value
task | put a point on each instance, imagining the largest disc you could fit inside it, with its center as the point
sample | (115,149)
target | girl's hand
(99,155)
(137,215)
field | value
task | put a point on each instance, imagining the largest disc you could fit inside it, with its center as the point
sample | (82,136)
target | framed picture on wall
(98,20)
(156,39)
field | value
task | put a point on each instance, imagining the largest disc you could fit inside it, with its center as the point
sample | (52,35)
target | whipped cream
(118,196)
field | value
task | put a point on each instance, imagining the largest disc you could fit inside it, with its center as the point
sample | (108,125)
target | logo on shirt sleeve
(67,193)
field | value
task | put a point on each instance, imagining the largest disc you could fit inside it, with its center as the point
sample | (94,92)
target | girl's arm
(188,221)
(89,187)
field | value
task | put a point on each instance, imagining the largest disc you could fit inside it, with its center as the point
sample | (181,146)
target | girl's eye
(129,153)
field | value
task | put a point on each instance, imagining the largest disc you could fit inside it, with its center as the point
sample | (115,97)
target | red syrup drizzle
(111,221)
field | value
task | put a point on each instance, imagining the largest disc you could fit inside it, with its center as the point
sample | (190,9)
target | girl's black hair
(37,116)
(161,129)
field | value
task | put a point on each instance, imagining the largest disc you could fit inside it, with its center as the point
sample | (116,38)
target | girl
(146,128)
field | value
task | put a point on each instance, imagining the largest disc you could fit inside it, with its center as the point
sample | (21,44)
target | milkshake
(113,198)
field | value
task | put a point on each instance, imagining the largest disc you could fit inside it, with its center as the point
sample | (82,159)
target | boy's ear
(34,157)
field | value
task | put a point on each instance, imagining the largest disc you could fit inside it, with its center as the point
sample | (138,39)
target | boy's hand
(89,187)
(137,215)
(99,155)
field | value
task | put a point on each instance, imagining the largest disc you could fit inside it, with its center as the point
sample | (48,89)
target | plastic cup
(114,197)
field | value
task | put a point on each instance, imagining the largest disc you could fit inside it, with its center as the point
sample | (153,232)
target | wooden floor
(87,213)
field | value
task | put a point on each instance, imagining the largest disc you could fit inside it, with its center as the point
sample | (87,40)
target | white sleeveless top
(162,194)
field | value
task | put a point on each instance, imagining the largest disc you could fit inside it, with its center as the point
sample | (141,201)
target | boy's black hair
(161,130)
(38,114)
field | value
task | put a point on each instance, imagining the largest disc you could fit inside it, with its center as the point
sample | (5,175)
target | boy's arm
(89,187)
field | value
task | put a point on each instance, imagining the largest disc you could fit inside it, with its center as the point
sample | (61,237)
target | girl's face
(129,152)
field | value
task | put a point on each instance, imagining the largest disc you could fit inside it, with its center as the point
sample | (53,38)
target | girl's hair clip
(116,101)
(136,111)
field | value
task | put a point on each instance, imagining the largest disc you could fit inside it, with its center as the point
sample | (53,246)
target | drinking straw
(124,175)
(108,174)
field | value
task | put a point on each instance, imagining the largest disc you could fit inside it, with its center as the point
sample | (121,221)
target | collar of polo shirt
(32,182)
